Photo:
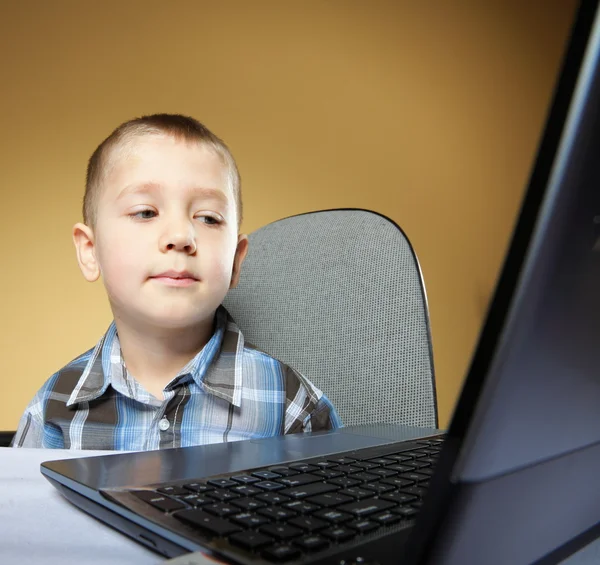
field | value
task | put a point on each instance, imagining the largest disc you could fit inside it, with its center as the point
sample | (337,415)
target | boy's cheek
(222,267)
(121,270)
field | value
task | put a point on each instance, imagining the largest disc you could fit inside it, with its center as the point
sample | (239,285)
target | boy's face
(166,240)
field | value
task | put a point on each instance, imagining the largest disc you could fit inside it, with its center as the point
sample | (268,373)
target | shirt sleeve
(32,430)
(307,408)
(29,432)
(323,417)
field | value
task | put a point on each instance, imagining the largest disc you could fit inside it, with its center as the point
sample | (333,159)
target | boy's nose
(178,241)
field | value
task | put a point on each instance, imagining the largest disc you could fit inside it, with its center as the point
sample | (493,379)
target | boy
(162,211)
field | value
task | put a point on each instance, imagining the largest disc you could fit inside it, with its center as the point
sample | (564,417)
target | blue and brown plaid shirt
(229,391)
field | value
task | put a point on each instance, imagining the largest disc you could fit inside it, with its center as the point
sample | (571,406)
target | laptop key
(399,497)
(399,482)
(222,495)
(430,450)
(281,531)
(330,499)
(364,477)
(173,491)
(198,487)
(248,503)
(222,483)
(269,485)
(194,499)
(419,464)
(328,473)
(384,472)
(382,461)
(363,526)
(378,487)
(312,542)
(299,480)
(281,553)
(283,471)
(245,490)
(339,533)
(273,497)
(301,506)
(345,482)
(266,475)
(403,467)
(342,460)
(309,490)
(356,492)
(366,507)
(405,511)
(308,523)
(365,465)
(303,467)
(333,516)
(416,477)
(276,513)
(400,457)
(415,454)
(386,518)
(417,491)
(159,501)
(207,522)
(250,540)
(348,469)
(249,520)
(325,464)
(245,479)
(221,509)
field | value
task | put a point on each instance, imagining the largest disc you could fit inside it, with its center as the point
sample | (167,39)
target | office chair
(338,295)
(5,438)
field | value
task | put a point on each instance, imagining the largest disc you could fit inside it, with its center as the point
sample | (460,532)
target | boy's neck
(155,356)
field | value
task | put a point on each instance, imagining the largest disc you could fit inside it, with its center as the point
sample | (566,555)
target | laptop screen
(529,410)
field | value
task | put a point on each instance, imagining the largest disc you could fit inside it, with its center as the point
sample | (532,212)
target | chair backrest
(338,295)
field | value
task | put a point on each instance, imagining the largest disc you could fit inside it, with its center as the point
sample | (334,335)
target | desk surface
(37,525)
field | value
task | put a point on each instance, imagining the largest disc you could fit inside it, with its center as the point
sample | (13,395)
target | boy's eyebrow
(204,193)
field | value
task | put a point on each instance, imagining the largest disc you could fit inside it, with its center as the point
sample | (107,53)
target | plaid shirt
(229,391)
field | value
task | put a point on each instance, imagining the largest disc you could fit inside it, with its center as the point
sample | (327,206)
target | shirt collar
(216,369)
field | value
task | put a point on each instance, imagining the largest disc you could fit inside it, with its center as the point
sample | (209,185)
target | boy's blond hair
(176,125)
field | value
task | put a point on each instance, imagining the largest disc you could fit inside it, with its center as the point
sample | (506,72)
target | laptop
(514,478)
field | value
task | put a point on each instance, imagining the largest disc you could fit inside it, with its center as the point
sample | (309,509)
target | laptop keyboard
(282,512)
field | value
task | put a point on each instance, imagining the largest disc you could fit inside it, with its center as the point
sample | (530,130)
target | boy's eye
(144,214)
(210,220)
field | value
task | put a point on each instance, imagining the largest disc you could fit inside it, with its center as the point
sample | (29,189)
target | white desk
(38,526)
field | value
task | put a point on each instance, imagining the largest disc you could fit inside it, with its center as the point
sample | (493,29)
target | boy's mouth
(175,278)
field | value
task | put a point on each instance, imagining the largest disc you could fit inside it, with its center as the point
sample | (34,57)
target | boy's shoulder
(292,377)
(254,353)
(68,376)
(78,364)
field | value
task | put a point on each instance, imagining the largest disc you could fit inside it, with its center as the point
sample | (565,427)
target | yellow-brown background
(429,112)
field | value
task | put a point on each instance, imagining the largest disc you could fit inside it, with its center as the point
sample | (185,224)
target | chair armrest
(6,438)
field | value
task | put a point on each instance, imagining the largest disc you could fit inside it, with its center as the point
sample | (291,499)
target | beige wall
(428,112)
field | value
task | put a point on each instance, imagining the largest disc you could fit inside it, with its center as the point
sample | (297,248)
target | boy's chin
(175,321)
(180,323)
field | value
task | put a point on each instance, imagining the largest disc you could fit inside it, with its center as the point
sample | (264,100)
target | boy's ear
(83,238)
(240,255)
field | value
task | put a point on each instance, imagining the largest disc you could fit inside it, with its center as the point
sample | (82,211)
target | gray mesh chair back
(338,295)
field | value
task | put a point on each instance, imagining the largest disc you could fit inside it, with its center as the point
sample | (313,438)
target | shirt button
(164,425)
